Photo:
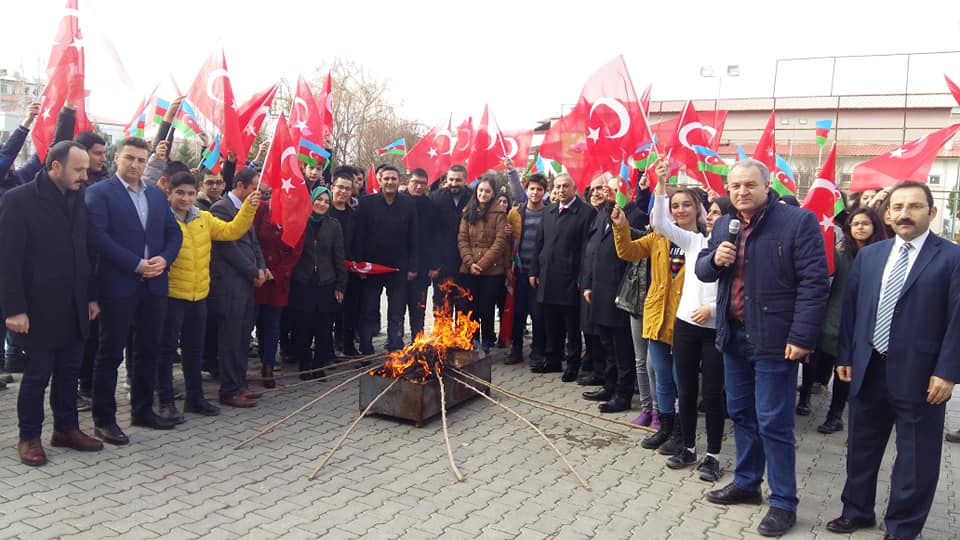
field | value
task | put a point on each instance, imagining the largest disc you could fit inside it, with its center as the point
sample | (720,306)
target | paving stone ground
(392,480)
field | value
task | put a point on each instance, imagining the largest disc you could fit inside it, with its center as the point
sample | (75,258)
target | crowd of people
(729,298)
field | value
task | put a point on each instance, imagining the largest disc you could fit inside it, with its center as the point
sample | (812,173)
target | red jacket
(280,259)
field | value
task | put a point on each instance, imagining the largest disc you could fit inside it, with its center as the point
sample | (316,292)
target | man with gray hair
(771,269)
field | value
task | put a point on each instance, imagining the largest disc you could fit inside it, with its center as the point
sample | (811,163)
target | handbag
(633,288)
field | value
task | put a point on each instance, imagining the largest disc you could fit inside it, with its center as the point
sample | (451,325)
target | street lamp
(733,70)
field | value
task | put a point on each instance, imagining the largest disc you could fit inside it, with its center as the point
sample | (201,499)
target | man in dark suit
(449,203)
(426,233)
(235,269)
(47,295)
(136,238)
(900,351)
(555,273)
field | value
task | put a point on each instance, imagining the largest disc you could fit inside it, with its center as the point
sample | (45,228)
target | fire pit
(418,400)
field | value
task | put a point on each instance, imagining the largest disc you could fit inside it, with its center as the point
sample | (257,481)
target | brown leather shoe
(250,394)
(239,401)
(31,452)
(267,373)
(76,440)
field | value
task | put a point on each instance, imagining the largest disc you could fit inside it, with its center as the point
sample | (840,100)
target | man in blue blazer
(136,238)
(897,351)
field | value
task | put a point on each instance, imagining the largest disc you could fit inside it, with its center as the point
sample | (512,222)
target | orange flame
(451,330)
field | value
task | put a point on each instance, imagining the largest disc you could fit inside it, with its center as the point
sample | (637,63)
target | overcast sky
(525,58)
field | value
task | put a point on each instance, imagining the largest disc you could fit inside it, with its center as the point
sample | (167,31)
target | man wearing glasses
(211,189)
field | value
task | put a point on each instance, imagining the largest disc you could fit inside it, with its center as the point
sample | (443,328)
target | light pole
(733,70)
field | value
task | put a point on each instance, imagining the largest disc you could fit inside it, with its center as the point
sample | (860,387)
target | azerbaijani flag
(646,155)
(211,156)
(823,131)
(186,120)
(784,182)
(160,110)
(312,154)
(710,161)
(623,185)
(396,148)
(136,127)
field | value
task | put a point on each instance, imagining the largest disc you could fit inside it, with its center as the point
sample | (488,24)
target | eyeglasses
(213,182)
(912,208)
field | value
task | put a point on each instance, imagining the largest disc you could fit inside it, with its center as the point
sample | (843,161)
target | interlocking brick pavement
(392,480)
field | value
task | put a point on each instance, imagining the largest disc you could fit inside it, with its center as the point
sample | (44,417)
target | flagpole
(820,157)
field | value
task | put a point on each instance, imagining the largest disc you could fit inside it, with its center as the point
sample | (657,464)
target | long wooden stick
(532,426)
(315,381)
(562,408)
(530,402)
(446,437)
(323,463)
(285,374)
(278,423)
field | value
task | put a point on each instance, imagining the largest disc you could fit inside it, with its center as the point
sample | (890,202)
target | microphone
(733,231)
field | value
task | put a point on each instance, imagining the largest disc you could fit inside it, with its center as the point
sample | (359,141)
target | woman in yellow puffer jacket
(186,316)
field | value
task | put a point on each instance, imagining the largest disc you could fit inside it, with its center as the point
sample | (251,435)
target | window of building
(933,179)
(845,178)
(4,89)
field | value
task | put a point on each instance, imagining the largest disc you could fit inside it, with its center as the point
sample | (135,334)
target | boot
(803,407)
(266,372)
(667,421)
(675,443)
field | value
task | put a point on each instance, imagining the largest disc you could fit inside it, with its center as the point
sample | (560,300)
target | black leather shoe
(569,376)
(111,434)
(889,537)
(953,436)
(731,494)
(591,380)
(617,404)
(151,421)
(845,525)
(598,395)
(832,425)
(777,522)
(803,408)
(515,357)
(547,368)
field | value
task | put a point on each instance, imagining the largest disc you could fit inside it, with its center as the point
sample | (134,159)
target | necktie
(898,275)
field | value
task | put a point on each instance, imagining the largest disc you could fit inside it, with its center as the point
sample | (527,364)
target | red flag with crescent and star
(362,267)
(304,116)
(432,152)
(911,161)
(822,201)
(251,116)
(212,95)
(486,149)
(290,205)
(690,133)
(373,184)
(464,144)
(325,108)
(516,146)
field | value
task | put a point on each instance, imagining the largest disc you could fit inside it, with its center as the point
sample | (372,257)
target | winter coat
(448,216)
(663,295)
(602,273)
(190,271)
(559,252)
(280,259)
(483,243)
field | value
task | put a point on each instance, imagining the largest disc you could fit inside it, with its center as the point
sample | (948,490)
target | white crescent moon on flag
(618,108)
(916,147)
(466,140)
(288,151)
(300,101)
(685,132)
(493,138)
(259,113)
(512,142)
(363,268)
(445,133)
(710,130)
(214,75)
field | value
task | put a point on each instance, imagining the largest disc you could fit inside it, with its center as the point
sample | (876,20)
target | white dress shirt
(895,254)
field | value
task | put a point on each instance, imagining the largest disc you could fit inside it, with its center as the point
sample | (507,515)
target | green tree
(186,154)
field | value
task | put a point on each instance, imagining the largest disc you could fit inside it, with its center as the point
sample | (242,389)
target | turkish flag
(325,108)
(486,149)
(912,161)
(68,38)
(517,147)
(368,268)
(566,141)
(953,88)
(305,116)
(212,95)
(690,133)
(509,305)
(822,200)
(766,151)
(66,86)
(432,152)
(251,116)
(290,205)
(464,144)
(373,184)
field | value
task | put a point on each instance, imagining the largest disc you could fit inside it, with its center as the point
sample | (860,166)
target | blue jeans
(63,364)
(185,323)
(761,397)
(666,375)
(268,321)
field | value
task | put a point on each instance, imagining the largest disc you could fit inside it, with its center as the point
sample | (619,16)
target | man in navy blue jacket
(771,297)
(900,351)
(136,238)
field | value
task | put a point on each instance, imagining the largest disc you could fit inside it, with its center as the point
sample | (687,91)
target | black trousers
(396,286)
(525,304)
(916,470)
(563,323)
(90,346)
(146,313)
(310,326)
(417,303)
(59,364)
(694,351)
(484,290)
(616,351)
(234,311)
(345,331)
